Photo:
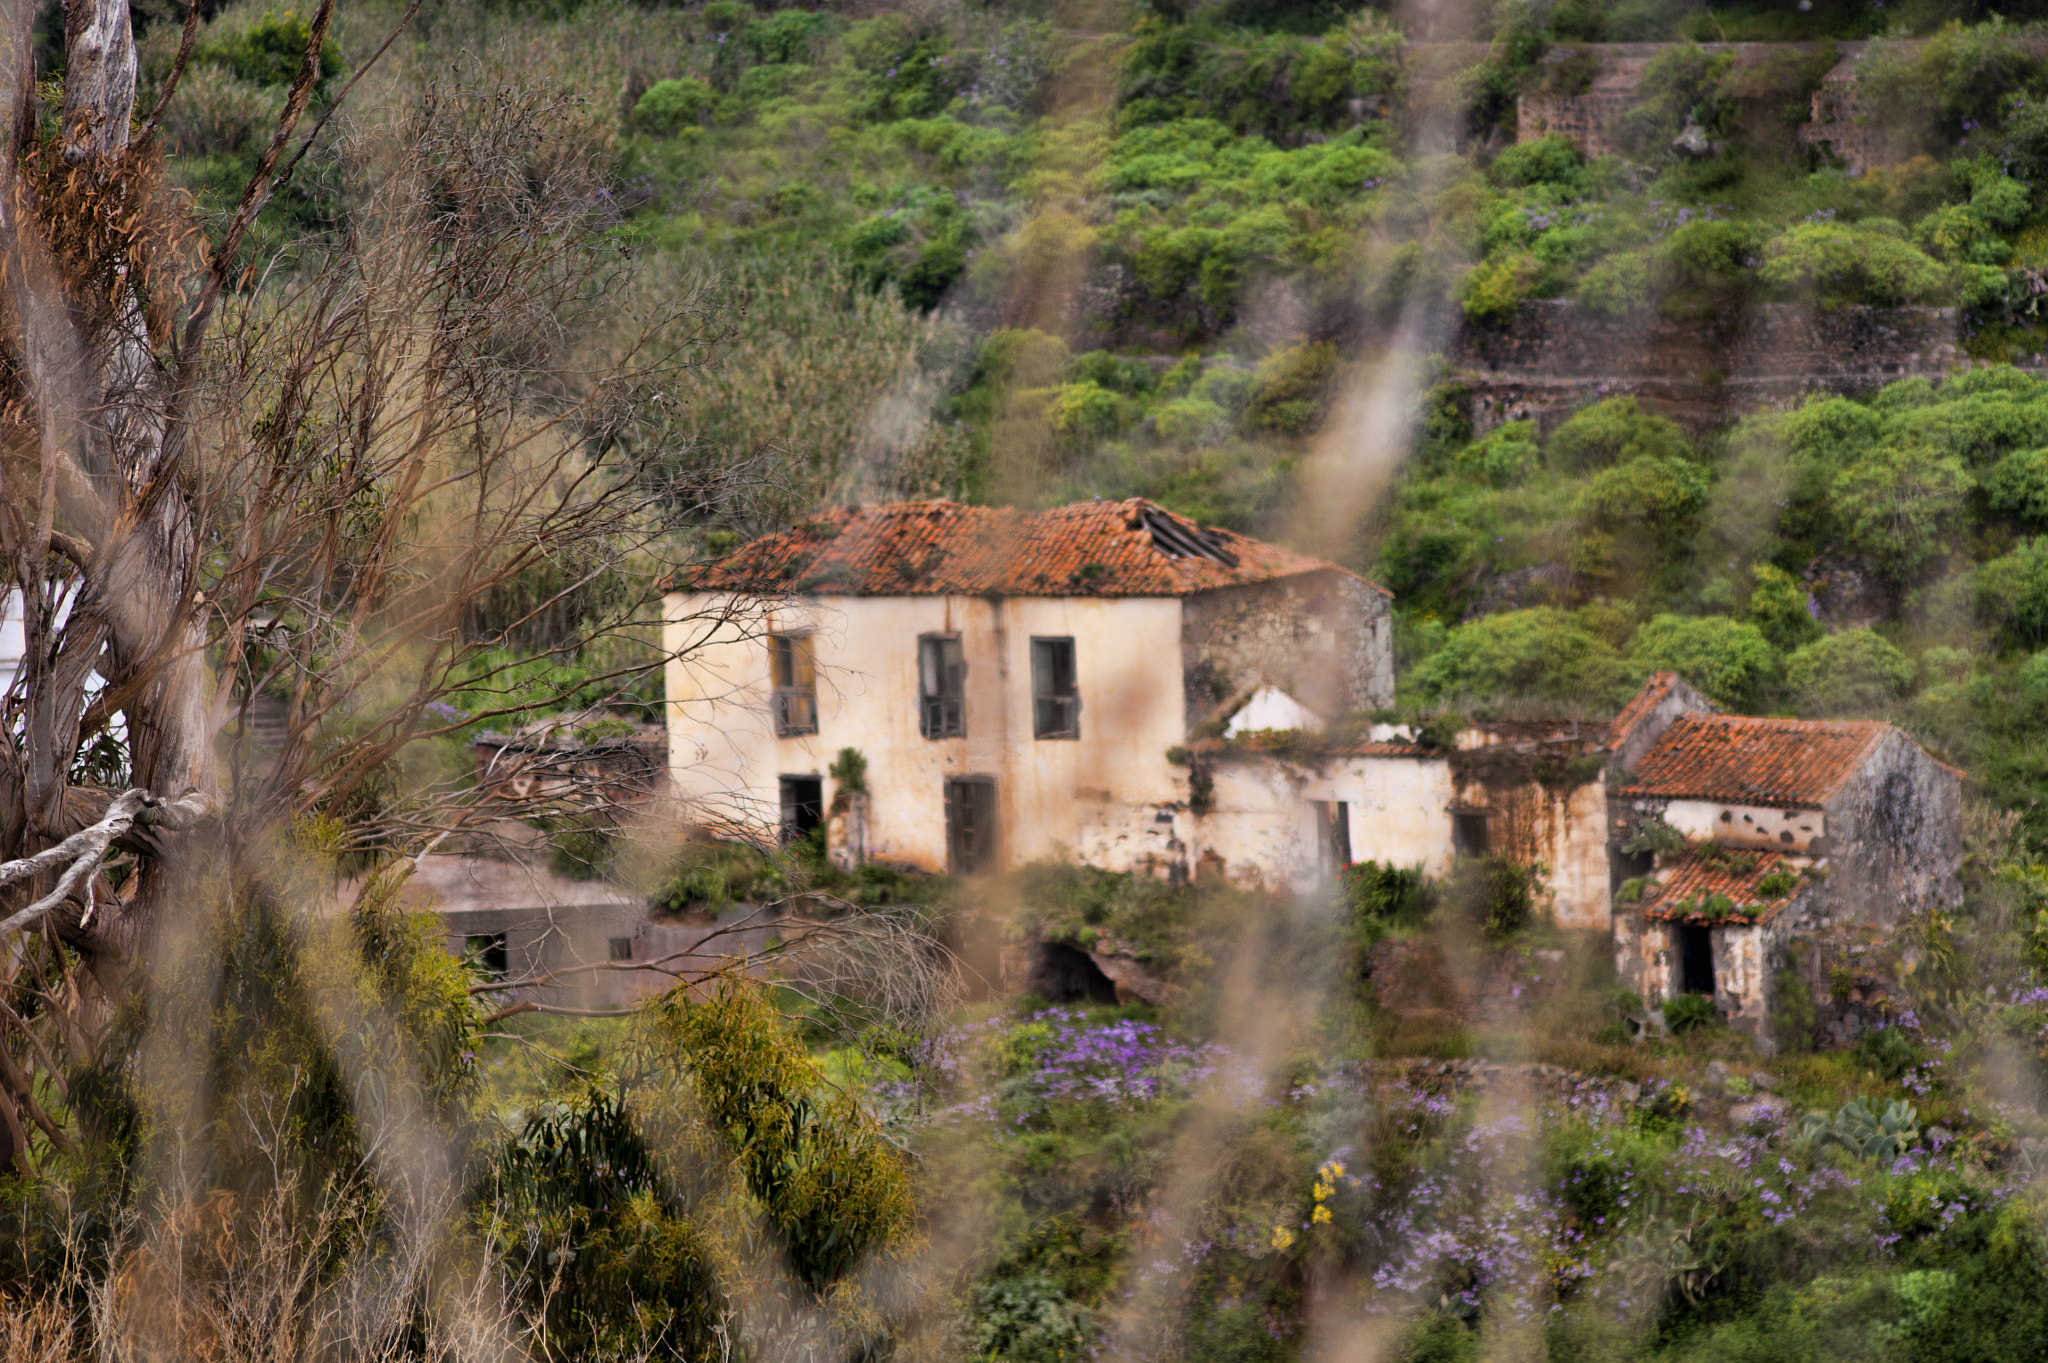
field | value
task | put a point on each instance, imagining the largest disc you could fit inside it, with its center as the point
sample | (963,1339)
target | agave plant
(1862,1129)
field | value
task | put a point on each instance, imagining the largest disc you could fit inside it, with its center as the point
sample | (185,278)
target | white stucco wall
(1098,796)
(1747,825)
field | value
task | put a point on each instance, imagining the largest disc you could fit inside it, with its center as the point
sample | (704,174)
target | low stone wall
(1556,357)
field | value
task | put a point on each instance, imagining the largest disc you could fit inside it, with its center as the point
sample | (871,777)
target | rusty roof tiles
(940,548)
(1687,895)
(1778,763)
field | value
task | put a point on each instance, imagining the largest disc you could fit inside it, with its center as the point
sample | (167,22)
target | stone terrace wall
(1555,357)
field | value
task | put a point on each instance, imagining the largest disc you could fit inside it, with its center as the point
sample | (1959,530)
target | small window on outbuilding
(941,687)
(619,948)
(1055,692)
(1470,835)
(491,953)
(803,805)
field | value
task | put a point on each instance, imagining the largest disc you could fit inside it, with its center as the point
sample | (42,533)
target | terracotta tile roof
(1128,548)
(1780,763)
(1681,897)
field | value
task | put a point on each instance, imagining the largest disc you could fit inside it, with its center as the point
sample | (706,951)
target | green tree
(1900,507)
(2018,488)
(1847,673)
(2012,592)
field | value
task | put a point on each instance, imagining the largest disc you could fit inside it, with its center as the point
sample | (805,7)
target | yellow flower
(1320,1216)
(1282,1237)
(1323,1191)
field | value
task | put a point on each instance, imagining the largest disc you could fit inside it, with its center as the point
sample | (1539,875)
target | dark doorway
(970,824)
(1064,974)
(1470,836)
(803,805)
(1695,958)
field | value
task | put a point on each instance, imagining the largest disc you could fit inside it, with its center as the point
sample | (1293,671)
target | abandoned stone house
(1705,843)
(1012,682)
(1740,843)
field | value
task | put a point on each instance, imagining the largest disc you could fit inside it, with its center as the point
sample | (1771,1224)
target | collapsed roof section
(940,548)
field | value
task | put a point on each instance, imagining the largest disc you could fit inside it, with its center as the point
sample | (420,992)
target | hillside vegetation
(1212,254)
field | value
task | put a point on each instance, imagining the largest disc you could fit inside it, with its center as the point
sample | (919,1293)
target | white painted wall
(1098,797)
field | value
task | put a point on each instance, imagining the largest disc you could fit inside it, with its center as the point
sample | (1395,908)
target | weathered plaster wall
(1102,792)
(1324,638)
(1564,828)
(1797,831)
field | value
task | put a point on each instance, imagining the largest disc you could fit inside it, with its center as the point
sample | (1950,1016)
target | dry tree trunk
(95,523)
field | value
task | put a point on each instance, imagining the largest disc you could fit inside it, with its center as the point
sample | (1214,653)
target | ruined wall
(1561,825)
(1324,638)
(1897,841)
(1763,75)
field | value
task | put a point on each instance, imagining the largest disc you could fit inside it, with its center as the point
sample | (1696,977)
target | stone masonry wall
(1324,638)
(1556,357)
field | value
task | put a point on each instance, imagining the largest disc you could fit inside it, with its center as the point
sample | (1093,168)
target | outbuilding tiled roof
(1686,895)
(1777,763)
(1640,707)
(1128,548)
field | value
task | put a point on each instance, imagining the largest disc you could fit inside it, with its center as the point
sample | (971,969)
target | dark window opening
(1695,958)
(970,824)
(490,952)
(1628,866)
(1333,836)
(621,948)
(1065,974)
(1470,836)
(803,806)
(793,672)
(1055,695)
(941,687)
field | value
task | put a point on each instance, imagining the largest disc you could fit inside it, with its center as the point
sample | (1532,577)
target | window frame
(962,860)
(941,714)
(793,683)
(1047,723)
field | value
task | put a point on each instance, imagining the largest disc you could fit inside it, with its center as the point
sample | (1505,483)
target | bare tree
(230,485)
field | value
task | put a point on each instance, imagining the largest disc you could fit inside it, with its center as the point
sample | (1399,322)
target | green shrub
(1868,262)
(1613,432)
(1781,607)
(1291,388)
(1687,1012)
(1846,673)
(2012,591)
(1028,1320)
(1544,653)
(1497,895)
(1394,895)
(1732,663)
(1494,289)
(2018,488)
(269,51)
(1547,160)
